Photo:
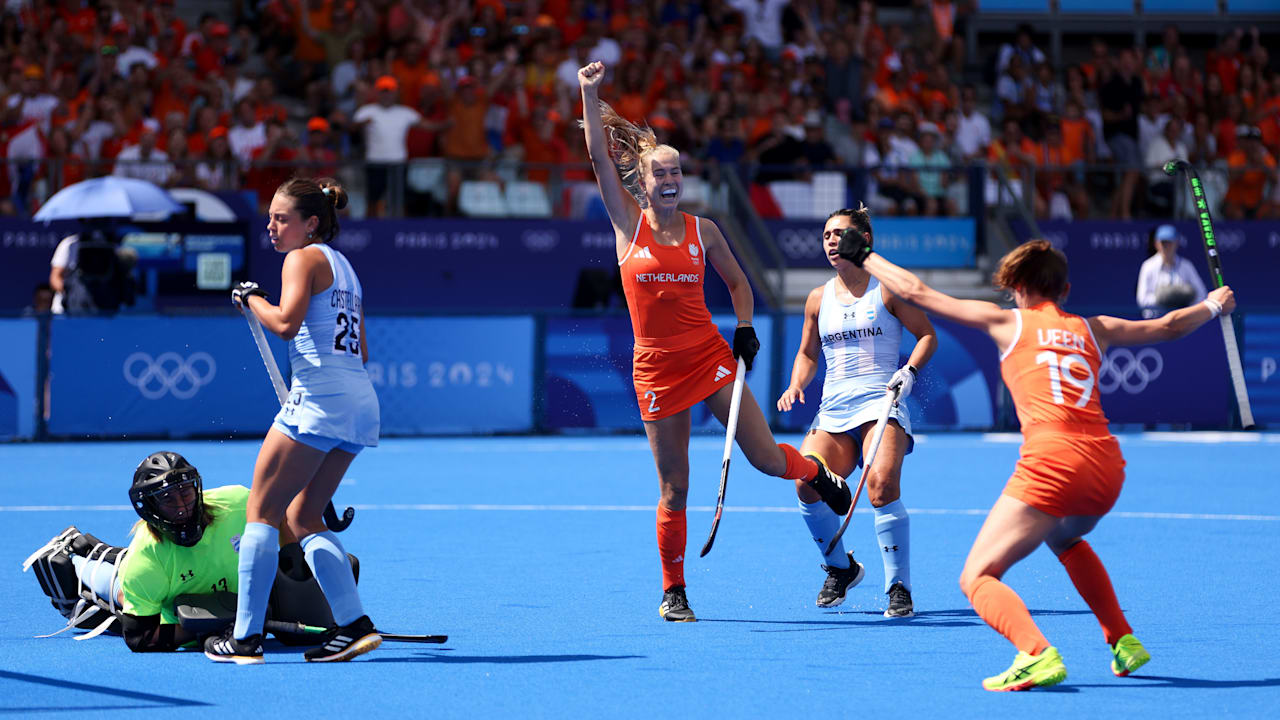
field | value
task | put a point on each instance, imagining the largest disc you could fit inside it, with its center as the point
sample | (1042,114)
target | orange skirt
(1068,470)
(674,378)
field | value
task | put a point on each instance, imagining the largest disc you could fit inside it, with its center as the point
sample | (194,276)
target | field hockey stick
(891,399)
(280,626)
(730,430)
(331,519)
(1215,273)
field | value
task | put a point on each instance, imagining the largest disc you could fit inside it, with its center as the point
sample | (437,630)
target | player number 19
(1060,369)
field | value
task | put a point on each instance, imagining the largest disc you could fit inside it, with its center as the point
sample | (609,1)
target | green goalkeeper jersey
(157,571)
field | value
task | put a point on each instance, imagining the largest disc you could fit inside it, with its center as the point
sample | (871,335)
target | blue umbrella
(108,197)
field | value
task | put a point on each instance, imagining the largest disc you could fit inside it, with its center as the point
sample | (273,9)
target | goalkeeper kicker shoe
(1029,671)
(343,643)
(1128,655)
(675,606)
(838,582)
(225,648)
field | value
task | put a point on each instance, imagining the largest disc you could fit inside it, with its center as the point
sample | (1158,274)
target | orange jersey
(1052,369)
(663,287)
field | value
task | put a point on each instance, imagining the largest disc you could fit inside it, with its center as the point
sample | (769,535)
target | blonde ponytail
(629,144)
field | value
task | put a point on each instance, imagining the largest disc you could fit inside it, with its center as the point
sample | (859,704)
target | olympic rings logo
(1132,372)
(169,373)
(800,244)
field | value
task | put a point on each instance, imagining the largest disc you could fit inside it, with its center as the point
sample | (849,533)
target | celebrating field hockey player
(184,544)
(680,359)
(857,324)
(1070,471)
(331,414)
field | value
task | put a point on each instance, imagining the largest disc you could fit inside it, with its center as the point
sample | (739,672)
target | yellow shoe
(1028,671)
(1128,655)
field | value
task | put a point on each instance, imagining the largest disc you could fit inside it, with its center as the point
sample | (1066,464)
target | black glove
(853,246)
(240,293)
(746,345)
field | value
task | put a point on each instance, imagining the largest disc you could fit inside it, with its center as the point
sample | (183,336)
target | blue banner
(149,375)
(27,247)
(1105,257)
(1184,381)
(588,373)
(466,265)
(959,388)
(18,378)
(452,374)
(910,242)
(1262,367)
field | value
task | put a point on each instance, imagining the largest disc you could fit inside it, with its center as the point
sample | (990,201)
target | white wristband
(1214,307)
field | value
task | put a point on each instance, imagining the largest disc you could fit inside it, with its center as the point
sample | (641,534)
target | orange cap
(318,124)
(217,132)
(386,82)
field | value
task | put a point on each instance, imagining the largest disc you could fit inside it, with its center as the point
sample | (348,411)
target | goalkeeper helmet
(168,494)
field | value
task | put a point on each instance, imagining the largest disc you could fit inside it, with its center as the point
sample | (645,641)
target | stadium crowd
(777,88)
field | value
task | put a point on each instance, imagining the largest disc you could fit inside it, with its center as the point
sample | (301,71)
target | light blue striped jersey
(332,330)
(859,341)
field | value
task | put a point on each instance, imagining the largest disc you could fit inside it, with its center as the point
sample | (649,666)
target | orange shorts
(1068,470)
(682,373)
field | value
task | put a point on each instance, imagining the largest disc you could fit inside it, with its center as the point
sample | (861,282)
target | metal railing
(425,187)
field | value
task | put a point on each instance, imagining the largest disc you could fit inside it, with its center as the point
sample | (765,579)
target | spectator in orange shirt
(218,169)
(264,97)
(312,16)
(1251,167)
(272,164)
(542,145)
(411,70)
(64,166)
(318,158)
(211,56)
(1079,145)
(1017,154)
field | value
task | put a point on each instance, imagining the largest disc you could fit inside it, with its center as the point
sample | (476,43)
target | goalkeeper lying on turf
(186,543)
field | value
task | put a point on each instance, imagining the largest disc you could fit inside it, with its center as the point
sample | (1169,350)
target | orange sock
(1004,611)
(671,542)
(1094,585)
(799,467)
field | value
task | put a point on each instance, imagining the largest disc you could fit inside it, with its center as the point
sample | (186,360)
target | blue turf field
(537,556)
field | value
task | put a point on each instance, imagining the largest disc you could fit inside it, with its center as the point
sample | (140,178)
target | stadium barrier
(177,376)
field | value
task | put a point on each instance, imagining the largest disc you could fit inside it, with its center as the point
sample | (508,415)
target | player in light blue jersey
(331,414)
(857,324)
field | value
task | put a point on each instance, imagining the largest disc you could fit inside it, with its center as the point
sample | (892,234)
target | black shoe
(675,606)
(346,642)
(225,648)
(832,488)
(899,602)
(838,582)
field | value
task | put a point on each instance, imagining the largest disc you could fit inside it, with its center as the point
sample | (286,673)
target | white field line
(411,507)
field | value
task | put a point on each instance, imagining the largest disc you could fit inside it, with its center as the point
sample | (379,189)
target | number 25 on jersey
(346,334)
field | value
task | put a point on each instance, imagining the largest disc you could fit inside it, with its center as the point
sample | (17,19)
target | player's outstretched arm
(622,209)
(1112,331)
(979,314)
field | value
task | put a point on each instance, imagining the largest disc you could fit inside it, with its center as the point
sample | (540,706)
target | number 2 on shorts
(653,401)
(1059,369)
